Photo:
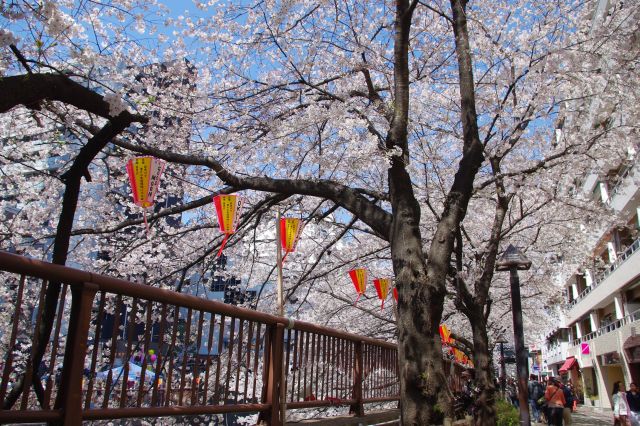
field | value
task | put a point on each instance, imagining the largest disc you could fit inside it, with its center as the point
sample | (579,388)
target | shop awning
(568,364)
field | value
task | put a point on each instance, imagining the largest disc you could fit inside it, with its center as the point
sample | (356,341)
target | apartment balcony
(556,354)
(610,337)
(606,283)
(625,194)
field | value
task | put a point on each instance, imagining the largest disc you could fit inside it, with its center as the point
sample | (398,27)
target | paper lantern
(359,278)
(290,229)
(144,178)
(228,209)
(382,288)
(395,293)
(445,334)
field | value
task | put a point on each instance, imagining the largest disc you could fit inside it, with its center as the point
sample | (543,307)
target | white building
(600,343)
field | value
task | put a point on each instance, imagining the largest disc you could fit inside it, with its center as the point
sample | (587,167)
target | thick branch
(350,198)
(30,89)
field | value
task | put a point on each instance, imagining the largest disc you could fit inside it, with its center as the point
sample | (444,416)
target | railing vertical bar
(316,362)
(185,355)
(325,367)
(125,367)
(347,367)
(159,356)
(330,368)
(195,385)
(12,340)
(256,359)
(266,359)
(54,348)
(300,363)
(212,322)
(376,371)
(112,352)
(351,364)
(239,358)
(294,366)
(96,348)
(248,361)
(343,362)
(145,350)
(232,330)
(378,376)
(306,364)
(28,375)
(365,371)
(312,382)
(334,375)
(171,353)
(286,365)
(221,328)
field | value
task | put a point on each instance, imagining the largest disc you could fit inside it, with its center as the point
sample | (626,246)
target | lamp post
(503,371)
(513,260)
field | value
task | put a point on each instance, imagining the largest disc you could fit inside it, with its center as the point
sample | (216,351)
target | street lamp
(503,371)
(513,260)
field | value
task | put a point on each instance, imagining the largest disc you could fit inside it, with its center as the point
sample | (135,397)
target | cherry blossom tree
(382,123)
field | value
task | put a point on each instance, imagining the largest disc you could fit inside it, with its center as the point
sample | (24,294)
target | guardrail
(614,325)
(600,277)
(624,173)
(120,349)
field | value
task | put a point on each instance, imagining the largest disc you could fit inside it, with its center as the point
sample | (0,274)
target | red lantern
(395,293)
(359,278)
(290,229)
(382,288)
(144,178)
(445,334)
(228,209)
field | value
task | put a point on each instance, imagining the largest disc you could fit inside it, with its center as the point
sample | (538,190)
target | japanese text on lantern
(289,231)
(227,210)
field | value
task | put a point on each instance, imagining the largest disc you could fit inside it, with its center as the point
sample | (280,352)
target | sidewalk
(589,416)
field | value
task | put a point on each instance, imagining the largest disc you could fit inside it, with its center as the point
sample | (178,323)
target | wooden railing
(120,350)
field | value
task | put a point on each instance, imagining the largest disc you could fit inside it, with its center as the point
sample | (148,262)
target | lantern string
(224,242)
(146,224)
(382,309)
(357,298)
(285,256)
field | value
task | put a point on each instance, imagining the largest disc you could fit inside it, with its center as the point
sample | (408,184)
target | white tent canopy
(134,373)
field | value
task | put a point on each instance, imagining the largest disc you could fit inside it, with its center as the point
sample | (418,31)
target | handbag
(542,401)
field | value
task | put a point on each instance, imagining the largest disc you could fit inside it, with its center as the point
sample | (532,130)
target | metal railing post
(357,408)
(69,397)
(272,416)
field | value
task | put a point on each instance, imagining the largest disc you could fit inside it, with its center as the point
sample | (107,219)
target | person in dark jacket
(568,397)
(633,397)
(536,391)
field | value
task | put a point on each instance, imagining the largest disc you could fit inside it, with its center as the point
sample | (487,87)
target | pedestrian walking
(536,391)
(568,405)
(633,398)
(555,403)
(620,405)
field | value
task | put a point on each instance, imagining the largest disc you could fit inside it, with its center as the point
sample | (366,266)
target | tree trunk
(419,311)
(486,414)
